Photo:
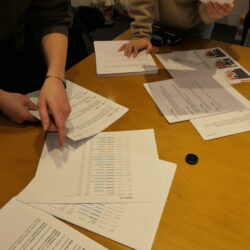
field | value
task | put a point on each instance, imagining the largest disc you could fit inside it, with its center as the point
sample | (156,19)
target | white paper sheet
(214,62)
(91,113)
(223,67)
(24,227)
(223,124)
(183,64)
(112,62)
(184,55)
(187,98)
(105,169)
(120,222)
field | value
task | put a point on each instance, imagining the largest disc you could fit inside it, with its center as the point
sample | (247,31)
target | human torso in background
(181,14)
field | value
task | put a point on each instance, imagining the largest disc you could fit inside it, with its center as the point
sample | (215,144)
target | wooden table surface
(208,206)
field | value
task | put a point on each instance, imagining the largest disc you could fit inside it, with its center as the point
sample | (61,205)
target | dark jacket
(44,16)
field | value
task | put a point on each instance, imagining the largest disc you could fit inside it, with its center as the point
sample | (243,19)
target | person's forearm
(142,12)
(53,97)
(55,51)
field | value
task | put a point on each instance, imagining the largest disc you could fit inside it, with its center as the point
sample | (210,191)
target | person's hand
(134,46)
(216,10)
(54,107)
(17,106)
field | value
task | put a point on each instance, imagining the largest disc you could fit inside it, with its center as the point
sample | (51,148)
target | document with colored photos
(91,113)
(213,62)
(186,98)
(112,62)
(223,67)
(107,168)
(118,221)
(221,125)
(24,227)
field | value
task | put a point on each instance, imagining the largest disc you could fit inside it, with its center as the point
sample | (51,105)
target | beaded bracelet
(58,78)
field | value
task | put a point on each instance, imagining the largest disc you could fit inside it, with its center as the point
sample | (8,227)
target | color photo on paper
(225,63)
(215,53)
(237,74)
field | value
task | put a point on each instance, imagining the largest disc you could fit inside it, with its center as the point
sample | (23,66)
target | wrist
(56,77)
(56,72)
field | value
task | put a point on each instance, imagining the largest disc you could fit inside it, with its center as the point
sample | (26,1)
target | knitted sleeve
(49,16)
(142,11)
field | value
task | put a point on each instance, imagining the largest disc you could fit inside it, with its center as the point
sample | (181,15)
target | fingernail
(45,127)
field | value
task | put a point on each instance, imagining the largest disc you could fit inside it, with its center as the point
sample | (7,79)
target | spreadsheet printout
(120,222)
(104,169)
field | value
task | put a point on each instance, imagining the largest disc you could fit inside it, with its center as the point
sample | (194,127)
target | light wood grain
(208,205)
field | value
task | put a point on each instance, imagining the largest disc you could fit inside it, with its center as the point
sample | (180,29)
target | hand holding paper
(16,106)
(53,100)
(219,8)
(91,113)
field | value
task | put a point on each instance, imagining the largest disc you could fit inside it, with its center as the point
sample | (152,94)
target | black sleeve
(50,16)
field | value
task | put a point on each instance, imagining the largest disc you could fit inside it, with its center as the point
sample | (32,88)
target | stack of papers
(108,185)
(112,62)
(90,114)
(213,62)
